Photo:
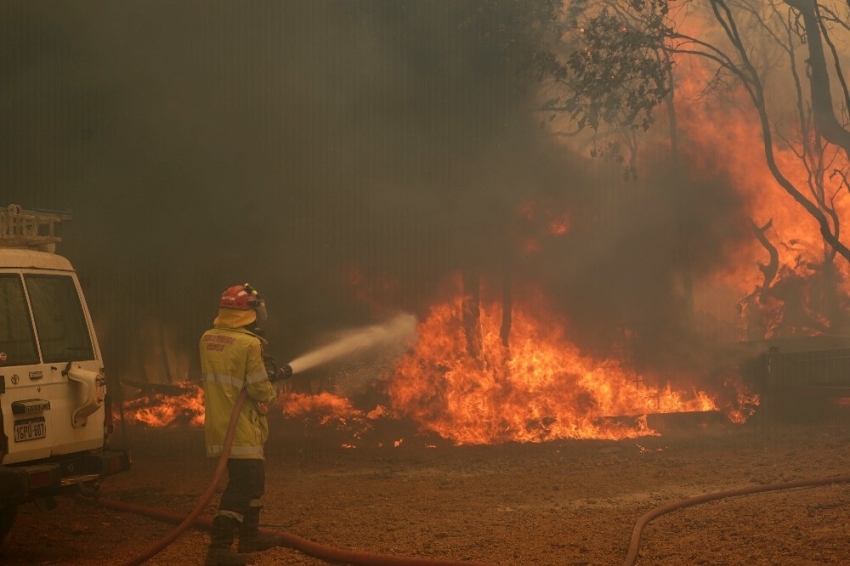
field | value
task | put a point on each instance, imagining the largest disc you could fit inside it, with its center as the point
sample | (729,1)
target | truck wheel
(7,519)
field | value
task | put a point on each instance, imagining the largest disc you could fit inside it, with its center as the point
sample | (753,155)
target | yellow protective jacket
(232,360)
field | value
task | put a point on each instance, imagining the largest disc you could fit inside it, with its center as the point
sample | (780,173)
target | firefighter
(232,360)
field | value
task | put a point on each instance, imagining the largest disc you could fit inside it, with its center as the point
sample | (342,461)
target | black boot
(221,539)
(250,537)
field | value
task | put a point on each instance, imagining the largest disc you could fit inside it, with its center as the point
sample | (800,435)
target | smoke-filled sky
(317,150)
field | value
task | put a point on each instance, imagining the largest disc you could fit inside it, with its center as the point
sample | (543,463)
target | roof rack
(35,229)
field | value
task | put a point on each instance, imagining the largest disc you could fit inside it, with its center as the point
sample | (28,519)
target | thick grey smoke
(285,144)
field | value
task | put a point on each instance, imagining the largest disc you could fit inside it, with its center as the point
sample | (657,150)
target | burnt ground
(555,503)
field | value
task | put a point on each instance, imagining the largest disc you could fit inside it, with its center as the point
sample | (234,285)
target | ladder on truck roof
(36,229)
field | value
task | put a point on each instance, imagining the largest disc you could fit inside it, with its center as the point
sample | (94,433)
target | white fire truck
(55,417)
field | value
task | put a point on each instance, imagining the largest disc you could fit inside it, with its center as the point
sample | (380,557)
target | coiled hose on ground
(631,557)
(357,558)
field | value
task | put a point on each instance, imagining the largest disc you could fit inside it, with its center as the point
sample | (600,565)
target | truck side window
(17,342)
(59,319)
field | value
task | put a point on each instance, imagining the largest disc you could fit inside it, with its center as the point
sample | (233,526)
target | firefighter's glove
(271,367)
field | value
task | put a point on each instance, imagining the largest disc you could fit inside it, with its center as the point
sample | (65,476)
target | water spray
(355,341)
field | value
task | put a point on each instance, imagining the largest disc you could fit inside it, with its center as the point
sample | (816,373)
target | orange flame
(327,409)
(541,388)
(330,407)
(724,131)
(162,410)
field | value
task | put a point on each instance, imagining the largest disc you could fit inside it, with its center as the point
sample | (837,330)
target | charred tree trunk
(472,311)
(141,361)
(165,360)
(751,305)
(684,231)
(822,104)
(687,278)
(829,292)
(507,303)
(770,269)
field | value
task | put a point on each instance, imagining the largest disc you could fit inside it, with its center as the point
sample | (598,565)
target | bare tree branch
(825,121)
(770,269)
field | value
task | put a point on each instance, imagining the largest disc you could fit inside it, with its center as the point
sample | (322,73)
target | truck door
(18,358)
(67,350)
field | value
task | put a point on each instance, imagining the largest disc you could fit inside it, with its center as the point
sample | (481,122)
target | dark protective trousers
(245,486)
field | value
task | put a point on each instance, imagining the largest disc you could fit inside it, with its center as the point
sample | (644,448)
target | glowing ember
(184,406)
(746,405)
(542,388)
(161,409)
(559,226)
(329,409)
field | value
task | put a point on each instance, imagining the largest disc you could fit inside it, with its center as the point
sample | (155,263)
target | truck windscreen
(59,319)
(17,342)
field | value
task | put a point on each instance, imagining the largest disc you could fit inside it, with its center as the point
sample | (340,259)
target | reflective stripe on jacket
(232,359)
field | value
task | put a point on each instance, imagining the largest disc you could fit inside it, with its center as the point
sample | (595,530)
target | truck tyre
(7,519)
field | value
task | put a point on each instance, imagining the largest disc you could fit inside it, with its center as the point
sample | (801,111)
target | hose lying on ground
(326,553)
(357,558)
(192,517)
(652,514)
(314,549)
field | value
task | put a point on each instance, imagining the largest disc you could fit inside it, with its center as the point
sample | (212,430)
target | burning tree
(625,58)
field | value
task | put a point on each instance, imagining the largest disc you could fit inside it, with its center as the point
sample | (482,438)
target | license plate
(30,429)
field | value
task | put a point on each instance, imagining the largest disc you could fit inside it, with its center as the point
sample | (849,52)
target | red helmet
(241,297)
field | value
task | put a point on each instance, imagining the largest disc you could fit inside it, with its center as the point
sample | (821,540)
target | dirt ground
(555,503)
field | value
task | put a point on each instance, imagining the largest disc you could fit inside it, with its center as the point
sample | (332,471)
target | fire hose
(631,557)
(358,558)
(326,553)
(155,548)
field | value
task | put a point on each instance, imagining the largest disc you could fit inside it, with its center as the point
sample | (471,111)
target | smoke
(202,145)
